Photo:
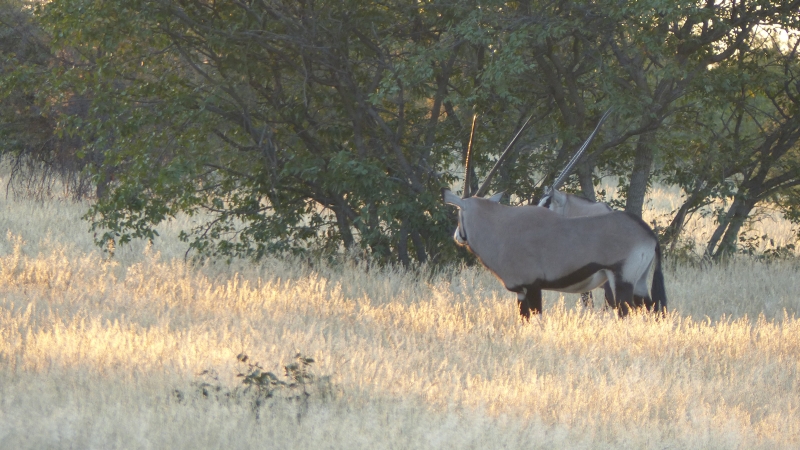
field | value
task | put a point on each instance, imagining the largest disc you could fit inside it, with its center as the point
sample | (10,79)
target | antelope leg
(641,295)
(534,297)
(530,301)
(587,299)
(624,296)
(609,295)
(524,306)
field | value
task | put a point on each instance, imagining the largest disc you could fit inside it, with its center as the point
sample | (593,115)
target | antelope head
(465,206)
(464,203)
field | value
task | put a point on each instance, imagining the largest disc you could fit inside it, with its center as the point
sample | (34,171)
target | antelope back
(568,205)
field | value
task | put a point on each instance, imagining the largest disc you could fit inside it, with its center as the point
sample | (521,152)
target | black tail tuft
(657,291)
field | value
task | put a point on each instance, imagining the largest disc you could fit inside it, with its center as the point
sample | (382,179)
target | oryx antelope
(568,205)
(531,248)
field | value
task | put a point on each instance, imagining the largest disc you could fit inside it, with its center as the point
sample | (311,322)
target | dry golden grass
(92,351)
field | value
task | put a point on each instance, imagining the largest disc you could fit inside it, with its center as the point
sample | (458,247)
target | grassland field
(99,352)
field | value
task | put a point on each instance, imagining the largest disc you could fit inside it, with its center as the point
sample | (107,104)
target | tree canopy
(333,125)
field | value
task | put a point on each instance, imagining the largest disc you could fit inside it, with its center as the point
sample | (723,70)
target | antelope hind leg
(623,293)
(609,293)
(587,299)
(641,296)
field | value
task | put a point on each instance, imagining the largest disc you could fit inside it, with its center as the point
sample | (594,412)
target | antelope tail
(658,292)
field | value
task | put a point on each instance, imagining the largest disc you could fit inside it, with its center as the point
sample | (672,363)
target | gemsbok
(569,205)
(530,249)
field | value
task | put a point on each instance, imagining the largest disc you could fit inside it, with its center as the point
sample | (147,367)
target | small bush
(298,385)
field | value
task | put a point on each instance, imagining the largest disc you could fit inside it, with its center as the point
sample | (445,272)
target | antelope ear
(559,198)
(452,199)
(496,197)
(546,198)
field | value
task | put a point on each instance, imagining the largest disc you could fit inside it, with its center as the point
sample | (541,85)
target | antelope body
(568,205)
(530,248)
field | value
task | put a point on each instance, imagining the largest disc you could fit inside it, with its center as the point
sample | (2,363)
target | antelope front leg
(524,306)
(529,300)
(534,296)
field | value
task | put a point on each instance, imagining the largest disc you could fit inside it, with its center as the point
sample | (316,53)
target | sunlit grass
(93,349)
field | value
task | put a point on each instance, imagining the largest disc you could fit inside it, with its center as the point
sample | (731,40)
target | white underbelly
(594,281)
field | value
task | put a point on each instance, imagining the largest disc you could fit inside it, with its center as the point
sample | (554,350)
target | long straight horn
(564,173)
(468,162)
(500,160)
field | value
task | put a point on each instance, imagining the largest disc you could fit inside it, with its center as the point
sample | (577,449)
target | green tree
(29,137)
(744,142)
(289,123)
(295,125)
(644,59)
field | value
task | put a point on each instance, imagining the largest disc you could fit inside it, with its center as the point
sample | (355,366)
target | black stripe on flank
(569,279)
(578,276)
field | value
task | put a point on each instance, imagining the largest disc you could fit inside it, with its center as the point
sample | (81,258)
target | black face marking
(462,233)
(548,201)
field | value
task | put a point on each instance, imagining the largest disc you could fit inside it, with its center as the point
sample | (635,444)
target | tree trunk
(344,227)
(419,247)
(675,228)
(723,225)
(642,164)
(375,240)
(585,170)
(402,246)
(105,173)
(728,245)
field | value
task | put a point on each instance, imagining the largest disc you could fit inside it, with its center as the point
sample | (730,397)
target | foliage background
(330,127)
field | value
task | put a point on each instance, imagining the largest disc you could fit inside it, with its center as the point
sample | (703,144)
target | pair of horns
(565,173)
(485,185)
(556,184)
